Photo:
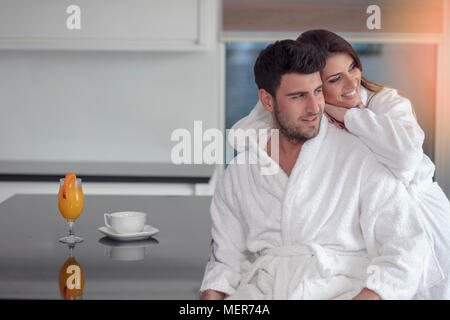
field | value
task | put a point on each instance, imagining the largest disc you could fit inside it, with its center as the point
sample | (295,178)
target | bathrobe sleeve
(393,234)
(389,129)
(228,239)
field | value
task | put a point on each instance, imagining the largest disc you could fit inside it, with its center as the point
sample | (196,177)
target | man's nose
(313,106)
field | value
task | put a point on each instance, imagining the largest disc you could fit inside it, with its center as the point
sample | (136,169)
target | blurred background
(397,65)
(103,100)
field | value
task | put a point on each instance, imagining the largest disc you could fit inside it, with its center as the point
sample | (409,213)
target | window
(397,65)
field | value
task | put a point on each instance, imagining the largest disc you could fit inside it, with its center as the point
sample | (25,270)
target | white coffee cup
(126,221)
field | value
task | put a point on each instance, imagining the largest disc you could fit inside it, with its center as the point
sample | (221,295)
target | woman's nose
(349,82)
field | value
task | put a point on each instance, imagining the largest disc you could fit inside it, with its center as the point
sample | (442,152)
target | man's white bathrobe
(387,126)
(340,222)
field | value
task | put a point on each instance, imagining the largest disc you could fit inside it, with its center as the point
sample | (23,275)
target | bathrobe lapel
(274,184)
(298,179)
(280,185)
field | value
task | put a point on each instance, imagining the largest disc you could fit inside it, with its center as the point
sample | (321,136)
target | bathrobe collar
(306,156)
(299,176)
(364,95)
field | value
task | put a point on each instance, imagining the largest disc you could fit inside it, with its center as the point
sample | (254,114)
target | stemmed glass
(70,204)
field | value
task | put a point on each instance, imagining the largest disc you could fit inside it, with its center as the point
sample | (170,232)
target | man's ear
(266,99)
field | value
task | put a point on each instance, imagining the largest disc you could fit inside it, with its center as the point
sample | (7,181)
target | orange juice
(72,205)
(71,279)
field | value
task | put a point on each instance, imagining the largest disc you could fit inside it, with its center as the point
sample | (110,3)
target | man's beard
(292,130)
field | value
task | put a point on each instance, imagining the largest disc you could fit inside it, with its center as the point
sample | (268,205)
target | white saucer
(146,233)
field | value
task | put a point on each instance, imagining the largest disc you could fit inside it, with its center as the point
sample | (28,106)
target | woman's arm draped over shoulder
(389,129)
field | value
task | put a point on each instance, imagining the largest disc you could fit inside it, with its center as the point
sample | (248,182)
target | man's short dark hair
(282,57)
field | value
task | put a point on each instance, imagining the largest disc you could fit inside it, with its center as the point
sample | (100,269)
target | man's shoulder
(358,154)
(237,165)
(352,150)
(347,142)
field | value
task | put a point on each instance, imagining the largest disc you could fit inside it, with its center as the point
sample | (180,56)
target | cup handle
(106,216)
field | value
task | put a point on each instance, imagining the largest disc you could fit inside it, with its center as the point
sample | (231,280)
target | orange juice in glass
(70,203)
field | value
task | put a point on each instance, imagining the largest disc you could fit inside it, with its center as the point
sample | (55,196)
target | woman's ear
(266,99)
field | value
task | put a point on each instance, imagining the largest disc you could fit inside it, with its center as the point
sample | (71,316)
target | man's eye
(318,91)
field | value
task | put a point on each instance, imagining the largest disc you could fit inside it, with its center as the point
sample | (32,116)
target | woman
(383,120)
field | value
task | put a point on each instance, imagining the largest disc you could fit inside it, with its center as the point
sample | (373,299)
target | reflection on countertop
(127,251)
(71,277)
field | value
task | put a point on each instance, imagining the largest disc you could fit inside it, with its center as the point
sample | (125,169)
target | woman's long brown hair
(330,43)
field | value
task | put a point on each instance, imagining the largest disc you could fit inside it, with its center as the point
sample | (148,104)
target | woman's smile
(350,94)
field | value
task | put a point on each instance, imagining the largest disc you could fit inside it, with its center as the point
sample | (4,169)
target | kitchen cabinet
(132,25)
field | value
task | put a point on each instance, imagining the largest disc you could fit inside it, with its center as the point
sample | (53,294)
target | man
(332,223)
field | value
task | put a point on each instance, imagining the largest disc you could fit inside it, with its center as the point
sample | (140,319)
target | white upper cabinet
(136,25)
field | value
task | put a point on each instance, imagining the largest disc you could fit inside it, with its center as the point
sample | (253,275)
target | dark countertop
(31,257)
(106,171)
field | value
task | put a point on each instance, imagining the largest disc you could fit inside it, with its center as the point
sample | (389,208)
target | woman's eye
(353,66)
(334,79)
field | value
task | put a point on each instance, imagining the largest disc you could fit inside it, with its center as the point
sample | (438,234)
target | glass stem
(71,223)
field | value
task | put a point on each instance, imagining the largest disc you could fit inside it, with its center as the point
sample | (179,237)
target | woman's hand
(337,113)
(334,121)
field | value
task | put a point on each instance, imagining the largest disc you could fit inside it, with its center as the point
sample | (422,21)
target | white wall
(103,106)
(89,100)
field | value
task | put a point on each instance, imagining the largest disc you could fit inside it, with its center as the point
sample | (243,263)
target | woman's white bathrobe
(387,126)
(340,222)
